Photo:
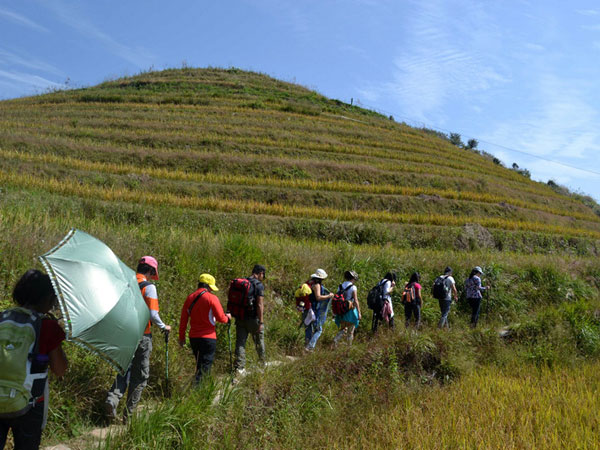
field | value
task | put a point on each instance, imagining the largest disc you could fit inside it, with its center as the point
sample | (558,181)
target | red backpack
(239,300)
(339,304)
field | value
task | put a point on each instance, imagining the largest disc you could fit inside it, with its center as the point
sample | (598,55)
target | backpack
(440,289)
(302,296)
(375,298)
(408,296)
(239,301)
(23,371)
(339,304)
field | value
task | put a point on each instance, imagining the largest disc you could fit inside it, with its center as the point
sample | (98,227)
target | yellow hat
(208,279)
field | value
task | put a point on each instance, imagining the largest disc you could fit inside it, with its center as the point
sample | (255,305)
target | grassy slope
(213,170)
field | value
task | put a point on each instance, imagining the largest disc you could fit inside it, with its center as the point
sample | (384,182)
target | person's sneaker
(240,373)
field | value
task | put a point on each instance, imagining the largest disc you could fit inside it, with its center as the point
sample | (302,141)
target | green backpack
(23,372)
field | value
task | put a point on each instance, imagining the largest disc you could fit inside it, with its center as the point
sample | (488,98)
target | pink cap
(152,262)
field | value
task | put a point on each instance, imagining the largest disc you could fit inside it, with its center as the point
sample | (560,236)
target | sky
(520,76)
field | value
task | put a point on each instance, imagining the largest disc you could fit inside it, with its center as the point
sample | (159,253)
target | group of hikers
(24,396)
(313,300)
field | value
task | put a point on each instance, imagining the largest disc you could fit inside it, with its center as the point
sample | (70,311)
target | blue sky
(515,74)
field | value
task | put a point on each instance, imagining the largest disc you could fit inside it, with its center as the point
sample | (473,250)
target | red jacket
(204,313)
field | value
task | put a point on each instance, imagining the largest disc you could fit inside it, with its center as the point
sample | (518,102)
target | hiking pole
(168,393)
(229,343)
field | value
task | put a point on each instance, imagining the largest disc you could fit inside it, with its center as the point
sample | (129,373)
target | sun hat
(448,269)
(152,262)
(208,279)
(320,274)
(351,274)
(478,269)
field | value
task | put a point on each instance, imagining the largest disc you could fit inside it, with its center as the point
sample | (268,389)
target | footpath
(95,437)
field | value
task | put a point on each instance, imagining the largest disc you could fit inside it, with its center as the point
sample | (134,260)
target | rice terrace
(216,170)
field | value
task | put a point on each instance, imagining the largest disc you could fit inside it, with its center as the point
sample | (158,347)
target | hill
(215,170)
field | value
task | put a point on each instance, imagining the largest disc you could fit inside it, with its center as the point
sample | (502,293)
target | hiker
(349,320)
(386,313)
(135,379)
(319,300)
(251,322)
(474,288)
(28,409)
(202,308)
(413,307)
(444,289)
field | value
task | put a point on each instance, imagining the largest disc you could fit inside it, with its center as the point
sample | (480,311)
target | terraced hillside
(245,144)
(215,170)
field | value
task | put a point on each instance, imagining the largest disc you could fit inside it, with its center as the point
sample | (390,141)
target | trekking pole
(168,391)
(229,343)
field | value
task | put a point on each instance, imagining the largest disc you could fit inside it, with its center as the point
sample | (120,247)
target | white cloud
(66,13)
(19,80)
(535,47)
(588,12)
(21,20)
(439,60)
(7,58)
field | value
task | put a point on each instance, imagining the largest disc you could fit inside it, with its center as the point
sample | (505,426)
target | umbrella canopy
(99,297)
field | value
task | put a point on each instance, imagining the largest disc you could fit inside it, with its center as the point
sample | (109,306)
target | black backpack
(375,298)
(440,289)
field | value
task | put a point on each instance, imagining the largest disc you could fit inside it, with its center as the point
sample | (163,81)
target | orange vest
(151,303)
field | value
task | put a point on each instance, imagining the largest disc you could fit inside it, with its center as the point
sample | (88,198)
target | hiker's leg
(321,313)
(445,310)
(206,356)
(374,323)
(259,341)
(407,314)
(27,429)
(140,372)
(350,330)
(4,427)
(241,335)
(308,331)
(340,333)
(116,392)
(391,323)
(195,344)
(417,312)
(475,308)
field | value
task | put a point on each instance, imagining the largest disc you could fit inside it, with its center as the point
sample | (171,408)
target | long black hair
(414,278)
(473,273)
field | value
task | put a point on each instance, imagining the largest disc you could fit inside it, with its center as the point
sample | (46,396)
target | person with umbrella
(201,309)
(136,377)
(34,295)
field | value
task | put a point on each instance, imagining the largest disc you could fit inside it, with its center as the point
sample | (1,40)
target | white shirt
(387,288)
(348,294)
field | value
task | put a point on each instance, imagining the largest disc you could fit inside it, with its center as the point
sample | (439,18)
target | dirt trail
(94,437)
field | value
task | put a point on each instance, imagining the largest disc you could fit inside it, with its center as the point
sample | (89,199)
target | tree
(472,144)
(455,139)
